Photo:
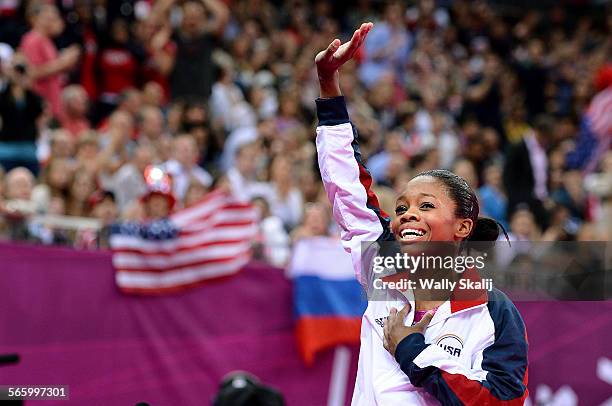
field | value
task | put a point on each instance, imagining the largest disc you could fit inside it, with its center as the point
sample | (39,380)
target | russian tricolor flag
(328,300)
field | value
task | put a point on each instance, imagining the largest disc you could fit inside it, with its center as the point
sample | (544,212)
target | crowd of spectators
(221,94)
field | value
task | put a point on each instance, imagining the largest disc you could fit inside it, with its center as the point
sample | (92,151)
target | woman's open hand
(334,56)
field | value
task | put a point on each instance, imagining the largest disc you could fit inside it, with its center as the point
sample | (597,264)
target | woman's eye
(400,210)
(427,205)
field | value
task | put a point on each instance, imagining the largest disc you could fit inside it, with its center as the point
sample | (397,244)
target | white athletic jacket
(473,352)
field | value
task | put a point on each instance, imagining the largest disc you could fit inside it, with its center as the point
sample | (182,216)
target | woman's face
(87,151)
(316,220)
(62,145)
(425,212)
(82,186)
(281,170)
(493,176)
(523,224)
(59,174)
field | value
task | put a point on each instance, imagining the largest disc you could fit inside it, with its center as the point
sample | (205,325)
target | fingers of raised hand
(357,39)
(331,49)
(364,29)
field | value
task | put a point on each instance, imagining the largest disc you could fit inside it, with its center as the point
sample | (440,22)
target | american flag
(595,135)
(208,240)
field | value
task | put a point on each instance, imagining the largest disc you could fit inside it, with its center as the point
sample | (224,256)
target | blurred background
(93,92)
(131,111)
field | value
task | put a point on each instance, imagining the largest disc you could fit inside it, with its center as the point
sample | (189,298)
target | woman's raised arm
(346,179)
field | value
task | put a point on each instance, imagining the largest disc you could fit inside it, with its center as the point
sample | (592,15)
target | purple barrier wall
(63,314)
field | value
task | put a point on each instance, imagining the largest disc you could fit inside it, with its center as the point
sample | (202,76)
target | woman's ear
(463,228)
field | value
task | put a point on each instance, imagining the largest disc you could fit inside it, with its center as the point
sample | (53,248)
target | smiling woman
(444,202)
(487,363)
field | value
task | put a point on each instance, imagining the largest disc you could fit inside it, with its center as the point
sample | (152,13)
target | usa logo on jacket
(451,344)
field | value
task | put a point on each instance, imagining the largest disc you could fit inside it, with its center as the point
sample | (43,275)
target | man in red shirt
(47,65)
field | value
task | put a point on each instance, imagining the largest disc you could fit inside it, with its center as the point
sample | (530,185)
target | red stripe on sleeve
(366,181)
(471,392)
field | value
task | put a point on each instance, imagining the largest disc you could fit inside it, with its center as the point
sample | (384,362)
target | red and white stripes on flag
(209,240)
(600,114)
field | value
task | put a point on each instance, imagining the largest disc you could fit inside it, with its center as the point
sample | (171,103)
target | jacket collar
(461,299)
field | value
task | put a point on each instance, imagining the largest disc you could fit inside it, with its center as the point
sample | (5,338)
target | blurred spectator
(118,67)
(19,183)
(6,59)
(310,185)
(183,166)
(46,234)
(87,152)
(243,175)
(157,205)
(532,73)
(128,101)
(151,131)
(62,145)
(483,92)
(20,109)
(572,195)
(228,107)
(465,168)
(195,122)
(56,180)
(493,200)
(128,184)
(386,47)
(446,139)
(562,226)
(46,64)
(316,222)
(192,74)
(116,145)
(284,198)
(104,208)
(82,187)
(75,108)
(526,170)
(160,53)
(273,239)
(523,225)
(516,124)
(379,163)
(242,136)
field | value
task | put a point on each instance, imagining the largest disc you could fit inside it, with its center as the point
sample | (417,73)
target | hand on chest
(459,335)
